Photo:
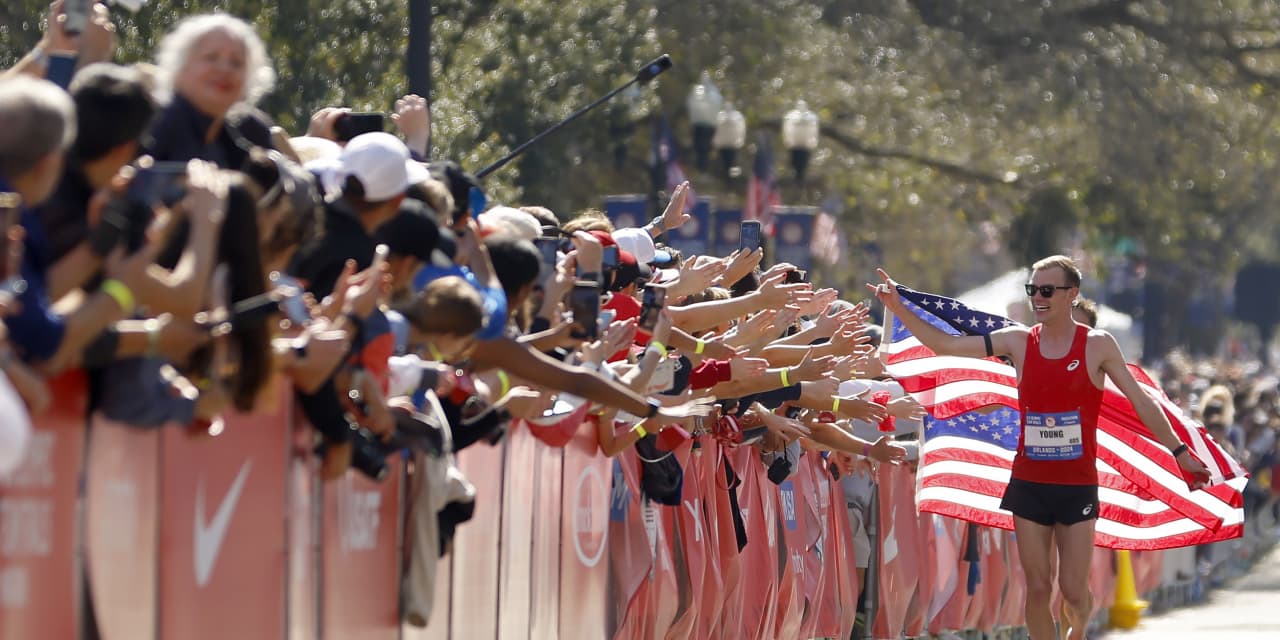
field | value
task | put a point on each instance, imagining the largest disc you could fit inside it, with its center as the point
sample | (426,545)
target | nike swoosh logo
(209,536)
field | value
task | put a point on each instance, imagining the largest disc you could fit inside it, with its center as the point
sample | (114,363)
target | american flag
(665,157)
(971,436)
(762,190)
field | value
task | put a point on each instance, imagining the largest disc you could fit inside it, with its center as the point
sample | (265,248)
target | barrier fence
(161,534)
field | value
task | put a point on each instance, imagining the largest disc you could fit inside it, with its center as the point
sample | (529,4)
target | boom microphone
(649,71)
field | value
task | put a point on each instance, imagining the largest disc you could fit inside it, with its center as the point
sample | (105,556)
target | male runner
(1053,491)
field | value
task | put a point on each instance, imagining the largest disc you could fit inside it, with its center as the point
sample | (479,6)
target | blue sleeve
(495,307)
(35,330)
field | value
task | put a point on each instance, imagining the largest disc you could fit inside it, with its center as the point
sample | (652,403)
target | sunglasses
(1046,290)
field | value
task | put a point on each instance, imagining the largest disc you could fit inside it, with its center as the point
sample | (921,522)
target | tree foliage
(1146,128)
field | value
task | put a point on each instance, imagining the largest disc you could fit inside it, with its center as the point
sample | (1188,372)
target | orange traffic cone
(1127,608)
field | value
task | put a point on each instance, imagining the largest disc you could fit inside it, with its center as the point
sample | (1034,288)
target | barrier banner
(899,568)
(476,547)
(544,619)
(694,546)
(39,587)
(584,532)
(664,589)
(973,571)
(1102,580)
(222,530)
(515,568)
(760,572)
(360,556)
(994,575)
(819,590)
(944,550)
(1011,607)
(121,501)
(707,467)
(630,550)
(842,555)
(304,534)
(790,606)
(1147,569)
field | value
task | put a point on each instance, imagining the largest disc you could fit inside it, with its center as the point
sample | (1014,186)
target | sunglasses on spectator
(1046,290)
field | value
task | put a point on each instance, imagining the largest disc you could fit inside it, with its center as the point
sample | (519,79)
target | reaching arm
(930,336)
(525,362)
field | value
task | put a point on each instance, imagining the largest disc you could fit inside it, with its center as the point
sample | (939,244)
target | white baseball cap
(381,162)
(637,241)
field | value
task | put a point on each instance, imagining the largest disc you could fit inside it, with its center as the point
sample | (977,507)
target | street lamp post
(704,110)
(730,136)
(800,135)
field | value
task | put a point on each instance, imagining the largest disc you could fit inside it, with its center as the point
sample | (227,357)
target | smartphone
(655,298)
(607,316)
(609,260)
(796,276)
(584,304)
(77,12)
(292,304)
(161,183)
(353,124)
(749,236)
(477,202)
(549,249)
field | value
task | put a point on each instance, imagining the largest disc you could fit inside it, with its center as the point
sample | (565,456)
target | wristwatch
(656,225)
(40,56)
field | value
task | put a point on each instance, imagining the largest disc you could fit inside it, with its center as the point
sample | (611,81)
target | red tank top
(1058,443)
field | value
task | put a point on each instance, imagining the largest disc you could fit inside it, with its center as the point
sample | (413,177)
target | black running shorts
(1050,504)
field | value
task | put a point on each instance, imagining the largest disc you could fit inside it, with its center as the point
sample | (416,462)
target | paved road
(1247,609)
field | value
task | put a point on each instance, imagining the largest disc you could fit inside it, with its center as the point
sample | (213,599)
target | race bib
(1053,436)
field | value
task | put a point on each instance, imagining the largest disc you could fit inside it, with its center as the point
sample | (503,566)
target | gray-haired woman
(213,67)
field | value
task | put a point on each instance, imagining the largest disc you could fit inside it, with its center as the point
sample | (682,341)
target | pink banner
(1148,567)
(1102,579)
(947,605)
(39,586)
(476,547)
(1011,608)
(121,499)
(711,606)
(759,561)
(729,561)
(694,544)
(222,530)
(304,538)
(994,575)
(360,556)
(630,550)
(584,532)
(899,565)
(791,588)
(843,557)
(515,570)
(544,618)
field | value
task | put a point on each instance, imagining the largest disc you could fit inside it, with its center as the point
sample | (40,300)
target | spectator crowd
(163,235)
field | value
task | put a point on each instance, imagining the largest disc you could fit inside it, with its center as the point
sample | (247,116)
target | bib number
(1053,436)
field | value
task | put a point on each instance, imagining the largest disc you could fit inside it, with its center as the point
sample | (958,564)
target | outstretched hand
(887,291)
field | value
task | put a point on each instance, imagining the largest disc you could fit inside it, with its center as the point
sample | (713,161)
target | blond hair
(1068,266)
